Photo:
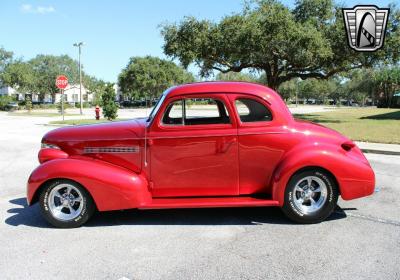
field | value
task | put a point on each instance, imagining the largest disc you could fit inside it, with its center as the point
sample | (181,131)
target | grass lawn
(82,121)
(361,124)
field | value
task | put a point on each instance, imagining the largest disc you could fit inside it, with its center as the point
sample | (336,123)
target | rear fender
(111,187)
(355,178)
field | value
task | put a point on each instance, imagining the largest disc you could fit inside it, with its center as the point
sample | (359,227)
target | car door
(261,144)
(194,148)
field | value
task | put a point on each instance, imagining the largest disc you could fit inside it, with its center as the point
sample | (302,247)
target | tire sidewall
(77,221)
(332,195)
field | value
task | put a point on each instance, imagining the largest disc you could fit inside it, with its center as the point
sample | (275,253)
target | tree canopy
(38,74)
(147,77)
(308,41)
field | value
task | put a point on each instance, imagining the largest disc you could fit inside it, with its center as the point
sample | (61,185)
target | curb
(382,152)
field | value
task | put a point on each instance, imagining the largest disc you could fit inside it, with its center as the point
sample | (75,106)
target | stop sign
(61,82)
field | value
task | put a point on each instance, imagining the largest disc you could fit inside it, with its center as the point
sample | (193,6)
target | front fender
(354,176)
(111,187)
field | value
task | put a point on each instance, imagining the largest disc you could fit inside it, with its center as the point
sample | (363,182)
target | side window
(250,110)
(173,114)
(196,111)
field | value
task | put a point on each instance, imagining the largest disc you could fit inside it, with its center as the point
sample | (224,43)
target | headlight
(49,146)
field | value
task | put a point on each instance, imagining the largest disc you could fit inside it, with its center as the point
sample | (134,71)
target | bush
(28,103)
(4,100)
(108,99)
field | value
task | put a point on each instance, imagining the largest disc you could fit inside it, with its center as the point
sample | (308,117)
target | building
(9,91)
(71,94)
(118,93)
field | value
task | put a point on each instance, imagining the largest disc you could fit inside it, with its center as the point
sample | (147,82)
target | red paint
(61,82)
(213,165)
(97,112)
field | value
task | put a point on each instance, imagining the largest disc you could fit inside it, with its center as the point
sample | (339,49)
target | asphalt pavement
(361,240)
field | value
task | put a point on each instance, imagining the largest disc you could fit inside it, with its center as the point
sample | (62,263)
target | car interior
(175,110)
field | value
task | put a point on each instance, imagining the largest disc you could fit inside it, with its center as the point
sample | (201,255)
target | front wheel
(310,196)
(66,204)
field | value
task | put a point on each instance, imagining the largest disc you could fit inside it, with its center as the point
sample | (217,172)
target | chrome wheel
(310,194)
(65,202)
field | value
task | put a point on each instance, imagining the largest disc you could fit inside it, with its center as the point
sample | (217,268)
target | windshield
(156,108)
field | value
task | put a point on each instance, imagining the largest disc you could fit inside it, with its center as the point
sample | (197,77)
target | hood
(118,143)
(102,131)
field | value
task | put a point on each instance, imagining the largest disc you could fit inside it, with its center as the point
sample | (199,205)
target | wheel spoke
(298,188)
(78,199)
(59,208)
(318,189)
(71,210)
(58,195)
(312,202)
(309,181)
(300,200)
(69,189)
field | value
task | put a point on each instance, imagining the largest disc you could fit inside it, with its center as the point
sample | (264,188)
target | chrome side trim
(105,150)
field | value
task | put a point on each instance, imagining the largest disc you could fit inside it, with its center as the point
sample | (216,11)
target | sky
(113,30)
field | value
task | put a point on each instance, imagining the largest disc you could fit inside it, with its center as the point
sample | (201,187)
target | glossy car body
(146,164)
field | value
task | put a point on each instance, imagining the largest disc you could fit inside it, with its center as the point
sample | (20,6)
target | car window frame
(258,99)
(219,96)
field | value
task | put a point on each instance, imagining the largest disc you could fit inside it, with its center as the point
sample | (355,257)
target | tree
(108,101)
(6,57)
(21,76)
(387,82)
(288,89)
(46,69)
(237,76)
(28,103)
(308,41)
(360,85)
(147,77)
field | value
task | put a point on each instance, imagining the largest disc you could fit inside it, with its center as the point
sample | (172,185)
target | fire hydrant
(97,111)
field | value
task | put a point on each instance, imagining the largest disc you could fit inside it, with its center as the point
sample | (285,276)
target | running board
(209,202)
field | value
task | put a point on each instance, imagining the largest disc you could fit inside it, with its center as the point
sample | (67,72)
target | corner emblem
(365,27)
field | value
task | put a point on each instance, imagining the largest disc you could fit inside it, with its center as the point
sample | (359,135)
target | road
(361,240)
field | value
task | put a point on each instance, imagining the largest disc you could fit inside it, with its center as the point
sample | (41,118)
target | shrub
(4,100)
(108,99)
(28,103)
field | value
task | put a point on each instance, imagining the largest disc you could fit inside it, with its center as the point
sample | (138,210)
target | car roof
(224,87)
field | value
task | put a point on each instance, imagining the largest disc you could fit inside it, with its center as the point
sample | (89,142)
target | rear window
(250,110)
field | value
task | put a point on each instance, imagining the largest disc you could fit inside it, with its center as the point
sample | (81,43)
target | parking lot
(361,240)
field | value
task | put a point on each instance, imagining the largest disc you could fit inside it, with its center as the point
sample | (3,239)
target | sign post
(62,83)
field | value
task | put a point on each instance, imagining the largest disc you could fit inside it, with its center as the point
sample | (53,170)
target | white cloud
(29,9)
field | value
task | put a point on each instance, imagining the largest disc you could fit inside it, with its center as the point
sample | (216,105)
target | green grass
(362,124)
(82,121)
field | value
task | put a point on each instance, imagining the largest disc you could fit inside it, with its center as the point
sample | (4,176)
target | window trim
(256,123)
(223,99)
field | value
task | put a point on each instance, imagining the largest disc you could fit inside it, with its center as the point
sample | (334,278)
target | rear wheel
(66,204)
(310,196)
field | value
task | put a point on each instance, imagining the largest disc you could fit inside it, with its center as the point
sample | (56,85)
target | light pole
(79,45)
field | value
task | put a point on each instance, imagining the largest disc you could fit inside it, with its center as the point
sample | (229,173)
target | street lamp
(79,45)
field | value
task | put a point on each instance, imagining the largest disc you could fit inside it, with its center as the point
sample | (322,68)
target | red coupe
(211,144)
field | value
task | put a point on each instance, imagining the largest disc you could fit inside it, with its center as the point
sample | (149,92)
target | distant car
(12,106)
(243,149)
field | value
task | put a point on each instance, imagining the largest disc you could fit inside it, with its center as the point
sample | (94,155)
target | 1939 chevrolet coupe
(211,144)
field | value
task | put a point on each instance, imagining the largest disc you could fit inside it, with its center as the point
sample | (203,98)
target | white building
(118,93)
(9,91)
(13,93)
(71,94)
